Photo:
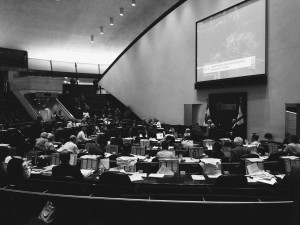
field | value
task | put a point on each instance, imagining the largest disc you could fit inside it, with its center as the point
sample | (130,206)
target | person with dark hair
(217,151)
(65,169)
(268,137)
(287,139)
(164,152)
(293,148)
(254,139)
(17,170)
(117,140)
(3,155)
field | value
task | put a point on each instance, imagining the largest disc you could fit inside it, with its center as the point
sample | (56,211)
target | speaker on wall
(13,58)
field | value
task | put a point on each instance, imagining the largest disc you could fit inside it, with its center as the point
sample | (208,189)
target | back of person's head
(228,144)
(254,137)
(217,146)
(3,153)
(238,141)
(64,156)
(294,139)
(50,137)
(143,133)
(268,136)
(73,138)
(17,170)
(44,135)
(165,145)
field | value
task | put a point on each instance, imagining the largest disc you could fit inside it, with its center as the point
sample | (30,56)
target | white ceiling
(61,30)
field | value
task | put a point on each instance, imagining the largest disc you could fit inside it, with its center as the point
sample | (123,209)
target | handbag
(49,213)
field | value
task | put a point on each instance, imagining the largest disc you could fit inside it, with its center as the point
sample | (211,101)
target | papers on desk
(263,177)
(211,161)
(106,154)
(214,175)
(281,176)
(117,169)
(289,157)
(190,160)
(198,177)
(136,177)
(155,148)
(86,172)
(156,175)
(253,160)
(149,160)
(140,157)
(48,168)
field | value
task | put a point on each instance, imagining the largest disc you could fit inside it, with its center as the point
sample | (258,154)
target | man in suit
(65,169)
(237,153)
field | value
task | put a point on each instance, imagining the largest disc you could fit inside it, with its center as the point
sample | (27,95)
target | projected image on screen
(232,43)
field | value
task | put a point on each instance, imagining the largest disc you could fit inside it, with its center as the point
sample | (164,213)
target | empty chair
(138,150)
(195,152)
(112,149)
(231,180)
(115,178)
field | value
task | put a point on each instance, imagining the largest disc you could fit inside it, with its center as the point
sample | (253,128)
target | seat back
(138,150)
(231,180)
(115,178)
(112,149)
(273,148)
(172,164)
(196,152)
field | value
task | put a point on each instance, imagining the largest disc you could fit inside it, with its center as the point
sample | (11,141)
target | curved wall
(156,76)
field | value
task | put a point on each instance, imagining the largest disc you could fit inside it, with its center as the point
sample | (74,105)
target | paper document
(86,173)
(156,175)
(214,176)
(211,161)
(190,160)
(198,177)
(253,160)
(135,177)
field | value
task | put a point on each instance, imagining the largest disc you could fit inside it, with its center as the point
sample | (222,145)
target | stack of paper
(198,177)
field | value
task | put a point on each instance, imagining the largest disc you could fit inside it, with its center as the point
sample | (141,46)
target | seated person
(82,135)
(40,142)
(164,152)
(117,140)
(254,140)
(287,139)
(217,151)
(70,146)
(187,133)
(169,138)
(187,142)
(94,149)
(65,169)
(17,170)
(49,145)
(3,155)
(237,153)
(293,148)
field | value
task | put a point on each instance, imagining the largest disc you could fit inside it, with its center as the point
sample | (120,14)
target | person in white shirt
(165,153)
(71,145)
(82,135)
(187,142)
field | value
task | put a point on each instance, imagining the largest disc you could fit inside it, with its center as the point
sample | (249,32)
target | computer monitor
(159,136)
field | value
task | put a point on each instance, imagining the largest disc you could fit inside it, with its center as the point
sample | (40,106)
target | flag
(240,117)
(207,116)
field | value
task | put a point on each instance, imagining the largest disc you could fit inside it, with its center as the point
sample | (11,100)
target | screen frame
(258,79)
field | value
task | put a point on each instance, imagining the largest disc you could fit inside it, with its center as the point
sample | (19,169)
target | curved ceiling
(61,30)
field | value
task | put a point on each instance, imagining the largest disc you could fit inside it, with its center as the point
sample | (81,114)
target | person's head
(73,138)
(238,141)
(268,136)
(64,156)
(165,145)
(217,146)
(84,129)
(17,170)
(254,137)
(50,137)
(3,153)
(143,133)
(294,139)
(44,135)
(126,149)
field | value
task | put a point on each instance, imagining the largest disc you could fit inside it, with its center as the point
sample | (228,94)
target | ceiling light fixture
(111,21)
(92,39)
(121,11)
(101,30)
(133,2)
